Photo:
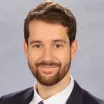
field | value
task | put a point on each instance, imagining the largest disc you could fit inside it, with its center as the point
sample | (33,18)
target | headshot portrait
(62,57)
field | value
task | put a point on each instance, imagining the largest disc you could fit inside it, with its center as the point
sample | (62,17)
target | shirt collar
(56,99)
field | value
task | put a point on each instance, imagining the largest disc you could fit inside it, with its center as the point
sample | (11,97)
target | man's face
(48,52)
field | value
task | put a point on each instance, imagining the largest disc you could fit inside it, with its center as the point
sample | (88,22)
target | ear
(25,48)
(74,48)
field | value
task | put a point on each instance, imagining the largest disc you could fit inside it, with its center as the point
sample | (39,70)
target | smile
(48,66)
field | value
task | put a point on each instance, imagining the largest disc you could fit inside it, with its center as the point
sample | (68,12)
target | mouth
(48,66)
(48,69)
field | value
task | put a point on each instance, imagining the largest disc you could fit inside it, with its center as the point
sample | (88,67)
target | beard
(53,79)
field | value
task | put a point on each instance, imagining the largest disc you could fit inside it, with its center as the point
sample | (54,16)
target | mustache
(48,64)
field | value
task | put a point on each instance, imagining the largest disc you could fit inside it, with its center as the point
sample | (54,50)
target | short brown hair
(52,12)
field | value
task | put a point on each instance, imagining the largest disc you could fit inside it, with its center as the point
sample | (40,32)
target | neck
(47,91)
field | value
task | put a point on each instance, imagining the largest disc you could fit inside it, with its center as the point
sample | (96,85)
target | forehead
(40,30)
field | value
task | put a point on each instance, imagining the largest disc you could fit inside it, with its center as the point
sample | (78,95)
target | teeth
(48,66)
(48,1)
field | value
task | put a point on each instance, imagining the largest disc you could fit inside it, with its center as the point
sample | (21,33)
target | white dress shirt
(59,98)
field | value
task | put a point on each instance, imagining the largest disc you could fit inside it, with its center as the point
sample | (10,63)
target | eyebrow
(38,41)
(35,41)
(60,40)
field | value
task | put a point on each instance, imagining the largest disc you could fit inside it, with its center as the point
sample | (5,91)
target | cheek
(33,56)
(63,56)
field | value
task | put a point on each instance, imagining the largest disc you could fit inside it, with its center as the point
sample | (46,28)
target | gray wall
(88,65)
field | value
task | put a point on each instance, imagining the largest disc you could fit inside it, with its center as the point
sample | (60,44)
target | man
(50,45)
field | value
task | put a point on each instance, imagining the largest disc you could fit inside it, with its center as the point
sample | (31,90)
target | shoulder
(90,99)
(13,97)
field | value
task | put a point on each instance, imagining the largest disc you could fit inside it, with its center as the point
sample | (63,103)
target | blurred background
(87,67)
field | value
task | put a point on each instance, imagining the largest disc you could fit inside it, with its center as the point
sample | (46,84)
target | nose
(47,54)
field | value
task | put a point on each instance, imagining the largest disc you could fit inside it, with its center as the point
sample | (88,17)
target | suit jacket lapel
(76,95)
(27,97)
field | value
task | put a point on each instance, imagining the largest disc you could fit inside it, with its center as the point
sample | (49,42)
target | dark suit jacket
(78,96)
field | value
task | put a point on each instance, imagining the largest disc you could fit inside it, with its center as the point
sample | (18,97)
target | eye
(58,45)
(37,46)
